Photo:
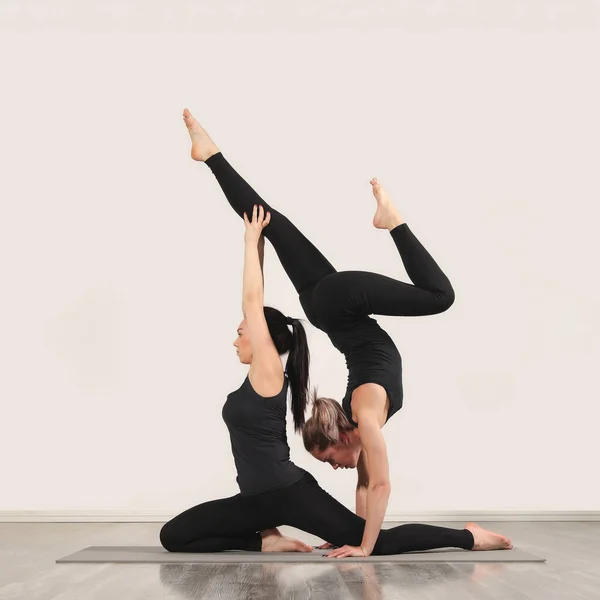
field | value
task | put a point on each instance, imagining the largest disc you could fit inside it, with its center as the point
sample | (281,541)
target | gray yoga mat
(157,554)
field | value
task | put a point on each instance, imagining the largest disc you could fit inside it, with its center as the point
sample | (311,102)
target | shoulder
(267,383)
(370,404)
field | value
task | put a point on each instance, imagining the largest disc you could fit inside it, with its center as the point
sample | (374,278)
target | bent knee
(446,300)
(169,539)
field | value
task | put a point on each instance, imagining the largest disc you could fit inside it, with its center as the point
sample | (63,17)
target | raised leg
(301,260)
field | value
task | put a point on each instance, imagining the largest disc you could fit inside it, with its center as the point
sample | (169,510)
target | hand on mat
(326,546)
(345,551)
(255,226)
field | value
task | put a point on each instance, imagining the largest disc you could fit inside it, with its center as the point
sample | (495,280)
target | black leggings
(348,295)
(233,523)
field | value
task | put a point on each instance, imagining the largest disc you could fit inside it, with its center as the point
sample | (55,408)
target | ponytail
(325,425)
(297,372)
(297,364)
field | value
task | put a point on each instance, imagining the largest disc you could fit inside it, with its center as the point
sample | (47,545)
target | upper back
(247,411)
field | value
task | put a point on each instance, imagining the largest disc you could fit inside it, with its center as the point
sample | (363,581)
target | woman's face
(242,344)
(342,455)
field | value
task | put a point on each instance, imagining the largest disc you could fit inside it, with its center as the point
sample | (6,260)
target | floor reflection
(333,581)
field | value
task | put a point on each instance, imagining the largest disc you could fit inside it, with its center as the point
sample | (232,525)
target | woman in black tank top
(274,491)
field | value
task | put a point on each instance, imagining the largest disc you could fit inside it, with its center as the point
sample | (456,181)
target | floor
(28,570)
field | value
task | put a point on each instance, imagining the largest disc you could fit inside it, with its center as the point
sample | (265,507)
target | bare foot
(387,216)
(487,540)
(273,541)
(202,145)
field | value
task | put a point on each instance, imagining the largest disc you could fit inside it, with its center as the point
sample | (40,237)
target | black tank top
(370,353)
(371,357)
(257,428)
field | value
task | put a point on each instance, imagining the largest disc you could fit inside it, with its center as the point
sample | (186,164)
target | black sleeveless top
(370,353)
(257,428)
(371,357)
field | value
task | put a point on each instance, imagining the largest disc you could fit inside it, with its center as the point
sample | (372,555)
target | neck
(354,437)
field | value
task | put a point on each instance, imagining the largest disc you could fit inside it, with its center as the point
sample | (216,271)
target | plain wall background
(121,259)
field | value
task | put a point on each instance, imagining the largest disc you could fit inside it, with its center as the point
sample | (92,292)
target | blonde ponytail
(325,425)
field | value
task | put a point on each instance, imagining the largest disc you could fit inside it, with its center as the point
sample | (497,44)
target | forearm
(261,257)
(361,502)
(377,501)
(252,290)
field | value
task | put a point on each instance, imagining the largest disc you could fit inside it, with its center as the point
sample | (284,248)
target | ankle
(268,532)
(397,221)
(210,154)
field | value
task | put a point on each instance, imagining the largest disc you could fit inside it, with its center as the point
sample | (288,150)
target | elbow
(381,487)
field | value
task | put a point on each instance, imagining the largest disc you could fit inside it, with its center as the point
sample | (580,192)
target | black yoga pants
(234,523)
(342,296)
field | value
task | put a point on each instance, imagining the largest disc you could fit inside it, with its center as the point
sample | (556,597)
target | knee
(446,299)
(169,538)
